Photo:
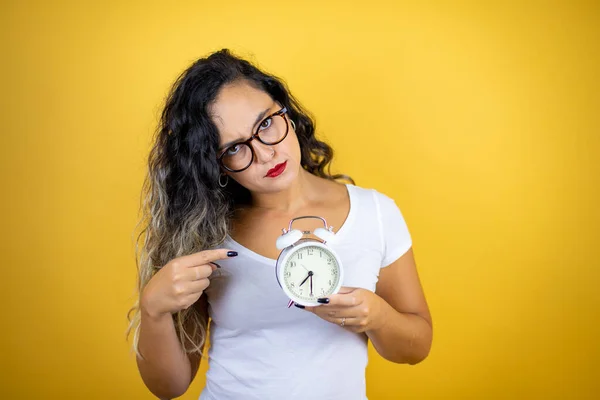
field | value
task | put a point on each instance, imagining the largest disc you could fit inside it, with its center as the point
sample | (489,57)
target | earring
(293,124)
(226,180)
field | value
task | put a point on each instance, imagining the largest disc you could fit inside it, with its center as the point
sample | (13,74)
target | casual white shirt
(262,350)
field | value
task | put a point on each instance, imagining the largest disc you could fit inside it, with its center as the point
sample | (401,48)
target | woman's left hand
(356,309)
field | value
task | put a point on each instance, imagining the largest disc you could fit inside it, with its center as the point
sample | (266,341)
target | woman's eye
(266,123)
(233,150)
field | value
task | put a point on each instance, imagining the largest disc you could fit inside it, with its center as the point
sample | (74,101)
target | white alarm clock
(308,269)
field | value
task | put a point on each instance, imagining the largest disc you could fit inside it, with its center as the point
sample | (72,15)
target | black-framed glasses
(271,131)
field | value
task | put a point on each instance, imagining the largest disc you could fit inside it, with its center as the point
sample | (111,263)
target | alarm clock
(308,269)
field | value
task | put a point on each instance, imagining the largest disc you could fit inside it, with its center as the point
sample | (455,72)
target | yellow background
(480,118)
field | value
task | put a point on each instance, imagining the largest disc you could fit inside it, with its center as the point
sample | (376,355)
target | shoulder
(330,191)
(377,204)
(364,198)
(369,194)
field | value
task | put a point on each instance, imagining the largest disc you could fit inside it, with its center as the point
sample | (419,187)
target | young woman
(235,160)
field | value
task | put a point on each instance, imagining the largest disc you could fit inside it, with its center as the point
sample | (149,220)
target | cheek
(290,147)
(247,177)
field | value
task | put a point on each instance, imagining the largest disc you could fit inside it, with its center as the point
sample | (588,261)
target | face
(239,111)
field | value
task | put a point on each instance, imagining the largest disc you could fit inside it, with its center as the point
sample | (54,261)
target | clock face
(311,272)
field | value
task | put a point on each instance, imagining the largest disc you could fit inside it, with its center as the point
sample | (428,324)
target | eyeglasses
(271,131)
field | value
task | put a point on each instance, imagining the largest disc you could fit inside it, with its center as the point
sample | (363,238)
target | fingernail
(323,300)
(299,305)
(215,264)
(231,253)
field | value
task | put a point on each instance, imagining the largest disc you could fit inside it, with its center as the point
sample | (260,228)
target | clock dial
(311,272)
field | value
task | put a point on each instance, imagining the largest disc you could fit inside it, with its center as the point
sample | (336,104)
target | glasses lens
(273,129)
(237,157)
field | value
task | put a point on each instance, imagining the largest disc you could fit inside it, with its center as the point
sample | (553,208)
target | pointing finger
(199,272)
(206,256)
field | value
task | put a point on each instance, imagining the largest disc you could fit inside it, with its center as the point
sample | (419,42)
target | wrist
(148,313)
(381,317)
(154,316)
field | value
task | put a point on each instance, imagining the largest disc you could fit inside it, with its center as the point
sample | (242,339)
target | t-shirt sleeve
(393,230)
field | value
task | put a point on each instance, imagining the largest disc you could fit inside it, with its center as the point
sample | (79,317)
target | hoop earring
(226,180)
(293,124)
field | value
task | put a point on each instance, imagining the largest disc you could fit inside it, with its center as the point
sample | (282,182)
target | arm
(165,369)
(403,332)
(396,317)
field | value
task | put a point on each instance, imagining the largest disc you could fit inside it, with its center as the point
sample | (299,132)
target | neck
(290,200)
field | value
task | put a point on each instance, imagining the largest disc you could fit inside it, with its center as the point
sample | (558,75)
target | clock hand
(307,276)
(310,273)
(311,293)
(302,265)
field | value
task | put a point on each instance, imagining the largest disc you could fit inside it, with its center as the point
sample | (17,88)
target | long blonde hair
(184,209)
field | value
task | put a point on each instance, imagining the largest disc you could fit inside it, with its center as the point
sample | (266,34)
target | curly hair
(184,210)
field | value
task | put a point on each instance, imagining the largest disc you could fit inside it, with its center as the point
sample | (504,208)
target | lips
(277,170)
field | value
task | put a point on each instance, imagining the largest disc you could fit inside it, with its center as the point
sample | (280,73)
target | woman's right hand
(180,282)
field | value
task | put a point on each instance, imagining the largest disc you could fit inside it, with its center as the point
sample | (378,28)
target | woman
(235,159)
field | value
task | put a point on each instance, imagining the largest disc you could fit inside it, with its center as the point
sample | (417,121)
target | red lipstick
(277,170)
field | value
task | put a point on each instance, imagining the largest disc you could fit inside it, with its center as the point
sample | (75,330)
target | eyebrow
(258,119)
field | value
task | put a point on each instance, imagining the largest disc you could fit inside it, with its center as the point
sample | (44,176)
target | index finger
(206,256)
(343,299)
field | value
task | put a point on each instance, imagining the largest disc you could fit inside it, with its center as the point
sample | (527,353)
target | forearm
(164,367)
(401,337)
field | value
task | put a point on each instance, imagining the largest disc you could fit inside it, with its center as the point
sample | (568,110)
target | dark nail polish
(215,264)
(323,300)
(299,305)
(231,253)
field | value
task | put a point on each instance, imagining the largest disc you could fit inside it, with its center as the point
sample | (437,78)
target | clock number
(310,252)
(329,282)
(329,260)
(322,291)
(287,274)
(292,264)
(292,285)
(299,256)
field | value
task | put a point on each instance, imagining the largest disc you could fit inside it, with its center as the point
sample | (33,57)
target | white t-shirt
(262,350)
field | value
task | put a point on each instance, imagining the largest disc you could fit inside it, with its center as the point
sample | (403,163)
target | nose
(263,152)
